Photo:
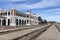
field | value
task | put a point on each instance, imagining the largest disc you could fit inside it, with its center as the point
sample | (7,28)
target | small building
(13,17)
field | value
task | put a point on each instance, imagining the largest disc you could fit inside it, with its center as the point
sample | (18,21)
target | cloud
(47,9)
(50,15)
(13,0)
(18,0)
(54,18)
(42,4)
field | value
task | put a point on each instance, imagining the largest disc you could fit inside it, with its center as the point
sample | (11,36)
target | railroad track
(10,31)
(33,35)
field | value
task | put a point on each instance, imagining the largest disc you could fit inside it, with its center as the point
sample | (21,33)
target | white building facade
(13,18)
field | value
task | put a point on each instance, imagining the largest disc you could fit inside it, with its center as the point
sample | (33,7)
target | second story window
(27,16)
(1,14)
(5,13)
(8,13)
(27,21)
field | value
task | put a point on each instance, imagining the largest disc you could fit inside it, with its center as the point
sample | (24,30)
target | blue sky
(47,9)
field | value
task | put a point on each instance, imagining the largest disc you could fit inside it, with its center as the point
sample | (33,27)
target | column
(7,13)
(24,22)
(21,22)
(13,20)
(18,21)
(1,22)
(6,21)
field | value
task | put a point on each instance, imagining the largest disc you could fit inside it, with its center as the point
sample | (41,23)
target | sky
(47,9)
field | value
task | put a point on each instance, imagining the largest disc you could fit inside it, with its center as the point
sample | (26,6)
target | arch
(3,22)
(20,22)
(8,21)
(25,22)
(16,21)
(0,21)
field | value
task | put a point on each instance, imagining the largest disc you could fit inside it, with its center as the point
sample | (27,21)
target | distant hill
(52,22)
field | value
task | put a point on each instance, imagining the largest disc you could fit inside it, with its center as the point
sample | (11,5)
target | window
(3,22)
(8,13)
(27,21)
(19,22)
(8,21)
(5,13)
(27,16)
(1,13)
(16,21)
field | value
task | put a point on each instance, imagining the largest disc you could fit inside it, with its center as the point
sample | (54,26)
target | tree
(45,21)
(40,20)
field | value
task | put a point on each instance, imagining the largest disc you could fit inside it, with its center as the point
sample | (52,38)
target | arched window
(1,14)
(16,21)
(8,21)
(3,22)
(27,16)
(19,22)
(27,21)
(8,13)
(0,21)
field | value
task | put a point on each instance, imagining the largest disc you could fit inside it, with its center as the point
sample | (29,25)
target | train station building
(13,17)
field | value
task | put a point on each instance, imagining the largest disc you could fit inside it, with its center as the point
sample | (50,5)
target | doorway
(8,21)
(3,22)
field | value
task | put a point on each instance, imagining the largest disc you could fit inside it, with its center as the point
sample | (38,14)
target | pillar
(7,13)
(18,21)
(24,22)
(1,22)
(13,20)
(6,21)
(21,22)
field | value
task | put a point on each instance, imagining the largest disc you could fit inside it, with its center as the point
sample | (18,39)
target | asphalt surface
(52,33)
